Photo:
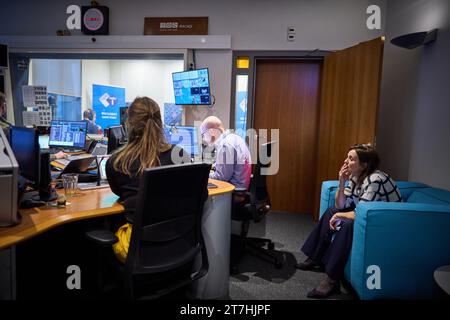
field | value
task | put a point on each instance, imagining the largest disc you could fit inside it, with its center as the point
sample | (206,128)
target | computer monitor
(3,56)
(192,87)
(25,146)
(116,136)
(68,134)
(185,137)
(124,118)
(123,115)
(34,165)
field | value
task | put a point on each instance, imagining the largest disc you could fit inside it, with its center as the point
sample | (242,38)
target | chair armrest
(243,193)
(102,237)
(327,195)
(407,241)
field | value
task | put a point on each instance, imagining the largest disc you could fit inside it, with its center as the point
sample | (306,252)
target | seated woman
(365,183)
(146,148)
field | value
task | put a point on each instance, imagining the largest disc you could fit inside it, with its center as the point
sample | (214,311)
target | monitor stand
(33,199)
(47,195)
(30,200)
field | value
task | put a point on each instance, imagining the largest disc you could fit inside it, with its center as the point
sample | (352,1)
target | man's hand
(60,155)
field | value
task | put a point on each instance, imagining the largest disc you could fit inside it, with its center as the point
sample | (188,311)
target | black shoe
(317,293)
(309,265)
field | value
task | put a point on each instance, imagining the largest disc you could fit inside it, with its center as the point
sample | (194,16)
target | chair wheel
(278,265)
(270,246)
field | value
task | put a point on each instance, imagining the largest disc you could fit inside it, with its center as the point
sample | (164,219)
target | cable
(5,121)
(193,63)
(213,101)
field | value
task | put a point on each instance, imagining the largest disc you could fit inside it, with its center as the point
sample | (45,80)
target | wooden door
(287,98)
(349,106)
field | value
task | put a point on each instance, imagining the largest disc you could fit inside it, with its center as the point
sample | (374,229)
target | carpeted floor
(260,280)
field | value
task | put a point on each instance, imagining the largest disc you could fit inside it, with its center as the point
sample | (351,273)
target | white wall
(152,78)
(92,72)
(414,132)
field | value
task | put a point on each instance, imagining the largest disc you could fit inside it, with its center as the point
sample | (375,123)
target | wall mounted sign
(95,20)
(176,26)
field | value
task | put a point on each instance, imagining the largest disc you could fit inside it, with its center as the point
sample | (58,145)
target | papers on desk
(64,162)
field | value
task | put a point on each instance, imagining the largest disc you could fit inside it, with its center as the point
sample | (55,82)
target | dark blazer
(126,187)
(93,128)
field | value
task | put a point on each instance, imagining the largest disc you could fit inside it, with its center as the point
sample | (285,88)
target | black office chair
(166,238)
(252,205)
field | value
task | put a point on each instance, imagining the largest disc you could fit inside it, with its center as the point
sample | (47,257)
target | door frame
(254,56)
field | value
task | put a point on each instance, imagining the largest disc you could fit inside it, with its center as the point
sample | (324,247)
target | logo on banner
(108,101)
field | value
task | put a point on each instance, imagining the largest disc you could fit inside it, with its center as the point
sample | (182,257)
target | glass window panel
(72,84)
(241,104)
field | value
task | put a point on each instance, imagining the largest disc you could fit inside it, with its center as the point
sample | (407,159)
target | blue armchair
(406,240)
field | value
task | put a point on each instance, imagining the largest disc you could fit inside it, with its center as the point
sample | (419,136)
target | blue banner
(106,102)
(241,113)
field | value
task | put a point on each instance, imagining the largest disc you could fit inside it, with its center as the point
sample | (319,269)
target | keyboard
(92,185)
(79,156)
(100,150)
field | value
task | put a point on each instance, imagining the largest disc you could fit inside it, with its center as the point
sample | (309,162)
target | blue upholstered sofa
(407,241)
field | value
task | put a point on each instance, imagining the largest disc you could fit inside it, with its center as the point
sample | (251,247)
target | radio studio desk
(216,226)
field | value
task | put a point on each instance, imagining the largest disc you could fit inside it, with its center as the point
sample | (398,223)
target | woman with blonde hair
(146,148)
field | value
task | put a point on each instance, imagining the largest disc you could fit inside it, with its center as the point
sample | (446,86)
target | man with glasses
(233,160)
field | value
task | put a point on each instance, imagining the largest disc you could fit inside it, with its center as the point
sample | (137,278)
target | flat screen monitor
(25,146)
(123,115)
(68,134)
(185,137)
(124,118)
(115,137)
(3,56)
(192,87)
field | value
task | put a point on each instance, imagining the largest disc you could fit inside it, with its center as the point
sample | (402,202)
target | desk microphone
(99,177)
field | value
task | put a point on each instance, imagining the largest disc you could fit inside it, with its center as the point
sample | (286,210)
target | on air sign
(90,19)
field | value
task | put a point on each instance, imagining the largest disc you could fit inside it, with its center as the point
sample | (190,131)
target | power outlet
(291,33)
